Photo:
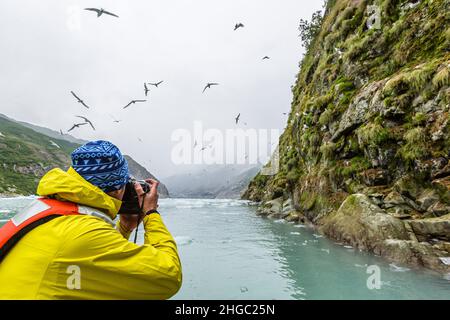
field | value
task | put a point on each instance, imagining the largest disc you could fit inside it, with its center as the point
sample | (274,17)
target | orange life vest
(37,213)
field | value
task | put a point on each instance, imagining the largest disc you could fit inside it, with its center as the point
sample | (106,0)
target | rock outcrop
(365,155)
(362,223)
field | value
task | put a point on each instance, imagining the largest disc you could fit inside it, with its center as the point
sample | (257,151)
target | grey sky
(186,43)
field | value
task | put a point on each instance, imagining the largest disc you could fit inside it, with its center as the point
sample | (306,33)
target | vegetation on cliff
(370,113)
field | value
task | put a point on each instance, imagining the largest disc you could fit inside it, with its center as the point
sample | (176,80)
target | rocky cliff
(140,173)
(365,154)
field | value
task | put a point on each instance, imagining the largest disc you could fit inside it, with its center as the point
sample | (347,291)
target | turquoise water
(228,252)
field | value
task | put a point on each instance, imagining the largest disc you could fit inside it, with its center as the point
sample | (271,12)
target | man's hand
(151,198)
(130,222)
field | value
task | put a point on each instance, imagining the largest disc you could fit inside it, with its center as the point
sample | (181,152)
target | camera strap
(139,217)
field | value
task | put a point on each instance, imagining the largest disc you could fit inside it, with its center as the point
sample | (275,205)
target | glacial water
(228,252)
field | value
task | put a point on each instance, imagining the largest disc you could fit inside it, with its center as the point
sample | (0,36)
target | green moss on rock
(370,115)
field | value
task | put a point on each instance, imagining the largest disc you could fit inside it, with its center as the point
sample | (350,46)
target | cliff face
(365,155)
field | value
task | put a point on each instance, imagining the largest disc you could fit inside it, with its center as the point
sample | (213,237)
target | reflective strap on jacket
(38,212)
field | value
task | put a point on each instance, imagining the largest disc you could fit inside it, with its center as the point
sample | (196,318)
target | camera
(130,200)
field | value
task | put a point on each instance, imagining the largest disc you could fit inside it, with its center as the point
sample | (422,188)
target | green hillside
(25,155)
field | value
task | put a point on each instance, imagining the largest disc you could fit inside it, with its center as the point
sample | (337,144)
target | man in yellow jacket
(81,255)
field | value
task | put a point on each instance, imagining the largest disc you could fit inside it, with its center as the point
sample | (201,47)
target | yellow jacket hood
(70,186)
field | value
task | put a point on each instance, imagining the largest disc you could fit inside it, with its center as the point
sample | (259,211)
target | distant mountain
(28,151)
(48,132)
(225,182)
(140,173)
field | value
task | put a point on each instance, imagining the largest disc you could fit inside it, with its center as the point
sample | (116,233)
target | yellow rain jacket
(47,261)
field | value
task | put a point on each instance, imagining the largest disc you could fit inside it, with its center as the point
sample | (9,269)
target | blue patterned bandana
(101,163)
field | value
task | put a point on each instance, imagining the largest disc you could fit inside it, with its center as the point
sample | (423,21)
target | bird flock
(100,12)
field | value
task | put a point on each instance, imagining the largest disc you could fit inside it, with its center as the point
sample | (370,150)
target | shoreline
(419,255)
(315,228)
(14,195)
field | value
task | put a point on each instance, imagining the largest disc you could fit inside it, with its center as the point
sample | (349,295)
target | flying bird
(156,84)
(237,118)
(238,25)
(146,90)
(86,120)
(77,125)
(133,102)
(101,11)
(79,100)
(266,57)
(209,84)
(114,119)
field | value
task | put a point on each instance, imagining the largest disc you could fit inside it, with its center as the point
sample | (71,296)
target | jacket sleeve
(111,267)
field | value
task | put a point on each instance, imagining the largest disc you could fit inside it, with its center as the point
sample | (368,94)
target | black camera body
(130,200)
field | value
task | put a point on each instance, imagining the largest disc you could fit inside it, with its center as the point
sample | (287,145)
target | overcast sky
(51,47)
